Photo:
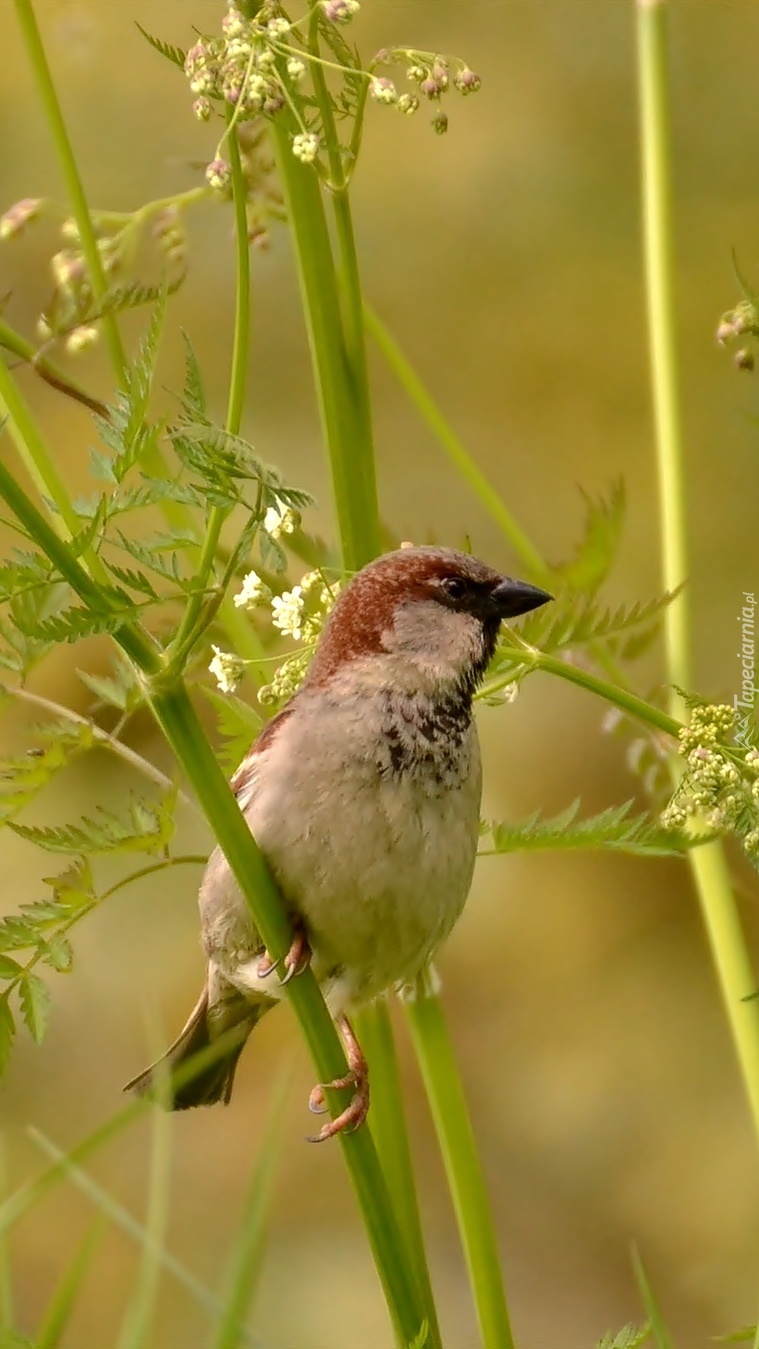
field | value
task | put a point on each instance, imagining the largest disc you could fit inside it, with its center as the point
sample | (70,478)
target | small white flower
(17,216)
(227,669)
(252,592)
(296,69)
(278,27)
(306,147)
(408,104)
(265,59)
(219,175)
(340,11)
(279,520)
(287,612)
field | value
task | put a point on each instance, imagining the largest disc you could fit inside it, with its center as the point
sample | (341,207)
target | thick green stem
(462,1164)
(708,864)
(388,1126)
(52,110)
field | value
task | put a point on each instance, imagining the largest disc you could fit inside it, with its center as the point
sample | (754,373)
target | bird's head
(424,617)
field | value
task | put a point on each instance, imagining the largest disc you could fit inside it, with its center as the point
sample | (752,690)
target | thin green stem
(454,446)
(660,282)
(532,659)
(52,109)
(35,454)
(462,1164)
(718,907)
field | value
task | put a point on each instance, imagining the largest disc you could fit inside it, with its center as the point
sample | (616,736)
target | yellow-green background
(506,257)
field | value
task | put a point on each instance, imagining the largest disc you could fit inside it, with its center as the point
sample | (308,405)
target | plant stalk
(710,873)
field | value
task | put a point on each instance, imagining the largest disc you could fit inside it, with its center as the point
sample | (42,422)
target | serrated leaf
(17,934)
(58,953)
(22,778)
(136,580)
(77,622)
(614,829)
(148,828)
(629,1337)
(174,54)
(7,1032)
(238,725)
(9,968)
(34,998)
(193,396)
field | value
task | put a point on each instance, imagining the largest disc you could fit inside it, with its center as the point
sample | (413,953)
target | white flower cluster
(306,146)
(279,520)
(299,613)
(717,786)
(227,669)
(253,592)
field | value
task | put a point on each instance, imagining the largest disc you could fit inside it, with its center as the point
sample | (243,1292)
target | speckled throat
(426,739)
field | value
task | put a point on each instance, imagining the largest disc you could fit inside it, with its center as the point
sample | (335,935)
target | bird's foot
(297,959)
(354,1114)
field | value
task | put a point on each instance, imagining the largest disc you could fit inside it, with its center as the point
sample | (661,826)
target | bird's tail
(199,1067)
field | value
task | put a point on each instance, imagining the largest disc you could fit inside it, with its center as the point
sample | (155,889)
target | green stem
(454,446)
(462,1164)
(52,109)
(627,702)
(353,479)
(719,911)
(659,253)
(388,1126)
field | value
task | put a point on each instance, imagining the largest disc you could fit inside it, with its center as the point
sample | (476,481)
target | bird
(363,793)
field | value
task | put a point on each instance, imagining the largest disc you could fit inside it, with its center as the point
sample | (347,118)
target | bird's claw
(354,1114)
(297,959)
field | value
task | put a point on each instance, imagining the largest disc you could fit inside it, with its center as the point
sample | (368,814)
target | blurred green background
(506,258)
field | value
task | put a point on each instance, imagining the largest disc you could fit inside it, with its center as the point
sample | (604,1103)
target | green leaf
(7,1032)
(77,622)
(613,829)
(173,54)
(658,1331)
(147,828)
(193,397)
(22,778)
(629,1337)
(9,968)
(238,725)
(58,953)
(596,554)
(35,1005)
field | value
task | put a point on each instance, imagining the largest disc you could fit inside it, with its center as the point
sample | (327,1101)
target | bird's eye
(454,586)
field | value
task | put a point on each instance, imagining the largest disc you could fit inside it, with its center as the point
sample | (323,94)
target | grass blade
(62,1304)
(245,1263)
(648,1297)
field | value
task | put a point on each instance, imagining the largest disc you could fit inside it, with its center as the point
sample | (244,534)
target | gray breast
(425,739)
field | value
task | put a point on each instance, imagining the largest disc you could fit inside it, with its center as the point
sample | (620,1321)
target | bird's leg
(296,960)
(354,1114)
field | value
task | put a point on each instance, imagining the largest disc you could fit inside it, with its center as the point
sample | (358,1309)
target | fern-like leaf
(34,999)
(22,778)
(238,726)
(614,829)
(174,54)
(148,828)
(594,558)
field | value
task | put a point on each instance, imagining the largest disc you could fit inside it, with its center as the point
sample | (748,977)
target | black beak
(511,598)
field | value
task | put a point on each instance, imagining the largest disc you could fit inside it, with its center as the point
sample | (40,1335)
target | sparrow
(363,794)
